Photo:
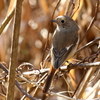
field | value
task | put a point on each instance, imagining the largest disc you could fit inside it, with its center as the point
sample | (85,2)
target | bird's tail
(49,79)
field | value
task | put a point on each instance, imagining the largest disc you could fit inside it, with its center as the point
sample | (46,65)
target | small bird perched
(64,44)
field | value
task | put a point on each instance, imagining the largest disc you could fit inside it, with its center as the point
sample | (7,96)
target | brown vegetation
(80,79)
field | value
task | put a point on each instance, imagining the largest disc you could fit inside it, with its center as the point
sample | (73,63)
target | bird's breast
(64,38)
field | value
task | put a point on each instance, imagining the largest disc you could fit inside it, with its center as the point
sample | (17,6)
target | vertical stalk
(14,50)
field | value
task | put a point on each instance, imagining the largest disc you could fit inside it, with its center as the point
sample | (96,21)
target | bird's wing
(63,55)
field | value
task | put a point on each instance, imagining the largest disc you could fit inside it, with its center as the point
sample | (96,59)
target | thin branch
(87,45)
(6,21)
(69,67)
(4,68)
(14,50)
(85,65)
(76,9)
(92,21)
(63,96)
(23,91)
(71,7)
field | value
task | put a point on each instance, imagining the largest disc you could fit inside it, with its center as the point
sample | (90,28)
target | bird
(64,45)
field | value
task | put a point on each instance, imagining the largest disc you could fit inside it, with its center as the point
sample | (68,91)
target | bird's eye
(62,21)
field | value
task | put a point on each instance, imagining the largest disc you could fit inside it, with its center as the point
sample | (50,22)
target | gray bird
(64,44)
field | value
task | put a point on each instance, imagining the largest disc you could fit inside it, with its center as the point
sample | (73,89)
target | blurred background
(36,16)
(35,27)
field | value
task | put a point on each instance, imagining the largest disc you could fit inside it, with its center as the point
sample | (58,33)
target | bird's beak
(52,20)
